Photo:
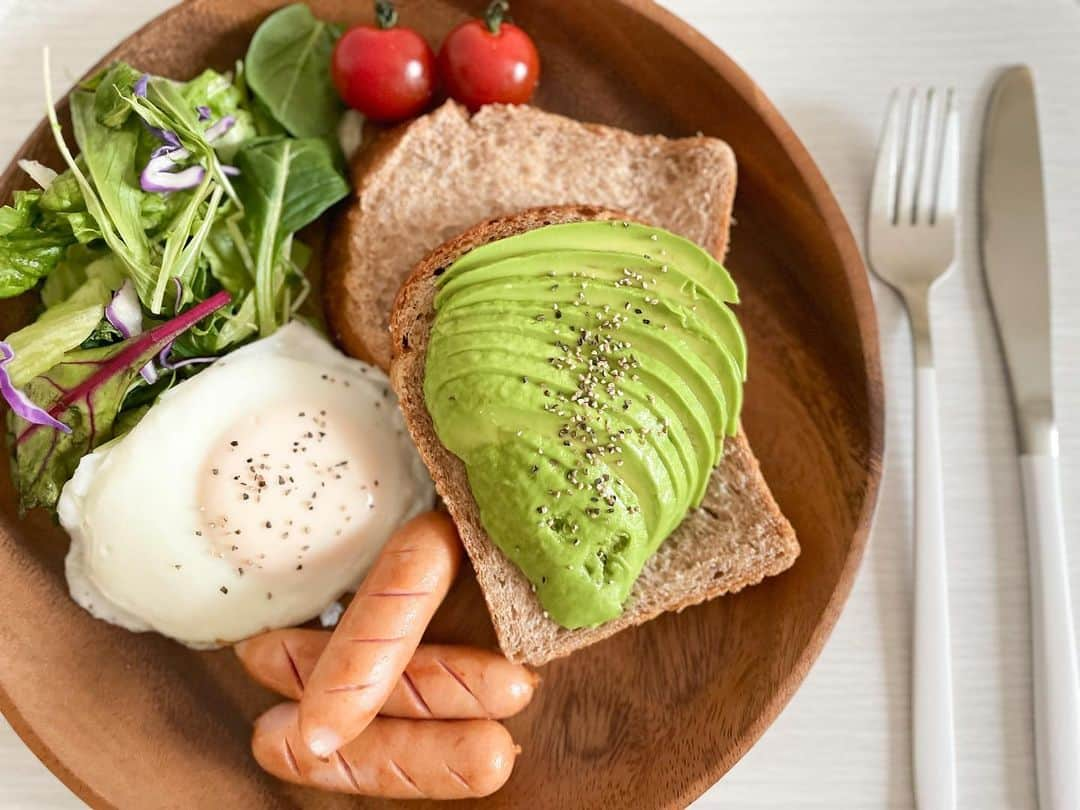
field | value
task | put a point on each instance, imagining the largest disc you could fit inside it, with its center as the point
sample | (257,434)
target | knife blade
(1015,256)
(1016,263)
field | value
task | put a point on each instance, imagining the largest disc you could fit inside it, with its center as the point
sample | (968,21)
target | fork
(912,245)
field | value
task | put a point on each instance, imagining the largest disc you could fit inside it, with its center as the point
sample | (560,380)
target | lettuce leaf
(109,157)
(31,246)
(110,106)
(61,328)
(85,391)
(63,205)
(223,97)
(81,263)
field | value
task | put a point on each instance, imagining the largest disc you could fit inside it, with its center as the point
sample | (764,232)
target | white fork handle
(1057,700)
(934,749)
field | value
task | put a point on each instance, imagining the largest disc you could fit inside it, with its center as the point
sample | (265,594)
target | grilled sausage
(442,681)
(379,632)
(392,758)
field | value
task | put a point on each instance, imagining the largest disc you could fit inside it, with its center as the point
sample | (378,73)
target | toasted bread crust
(343,314)
(735,539)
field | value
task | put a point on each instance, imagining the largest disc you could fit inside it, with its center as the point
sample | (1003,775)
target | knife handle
(934,751)
(1054,667)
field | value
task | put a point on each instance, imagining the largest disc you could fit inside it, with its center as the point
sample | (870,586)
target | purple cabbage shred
(20,403)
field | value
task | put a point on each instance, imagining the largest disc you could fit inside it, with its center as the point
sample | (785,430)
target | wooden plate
(649,718)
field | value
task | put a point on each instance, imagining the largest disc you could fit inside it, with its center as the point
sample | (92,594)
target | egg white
(140,556)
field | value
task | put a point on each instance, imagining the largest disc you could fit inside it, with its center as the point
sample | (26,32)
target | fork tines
(915,182)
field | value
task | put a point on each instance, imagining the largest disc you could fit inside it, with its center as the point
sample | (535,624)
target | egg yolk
(287,487)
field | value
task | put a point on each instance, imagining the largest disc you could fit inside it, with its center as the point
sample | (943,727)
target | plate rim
(858,280)
(866,324)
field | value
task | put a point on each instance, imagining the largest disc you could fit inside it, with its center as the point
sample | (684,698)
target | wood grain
(649,718)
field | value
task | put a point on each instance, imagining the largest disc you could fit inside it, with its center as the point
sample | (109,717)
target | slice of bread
(736,538)
(428,180)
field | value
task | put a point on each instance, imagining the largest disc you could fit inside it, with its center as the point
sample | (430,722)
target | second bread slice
(431,179)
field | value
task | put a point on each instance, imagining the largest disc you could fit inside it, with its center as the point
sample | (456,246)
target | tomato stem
(496,13)
(385,14)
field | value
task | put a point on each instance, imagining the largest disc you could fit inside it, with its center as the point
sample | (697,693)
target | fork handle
(934,750)
(1054,667)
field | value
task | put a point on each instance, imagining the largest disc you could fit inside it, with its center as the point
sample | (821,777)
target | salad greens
(32,243)
(87,390)
(286,183)
(287,66)
(179,205)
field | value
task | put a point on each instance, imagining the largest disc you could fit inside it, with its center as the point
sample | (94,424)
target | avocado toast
(735,538)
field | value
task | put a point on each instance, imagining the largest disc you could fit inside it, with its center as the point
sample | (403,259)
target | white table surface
(843,742)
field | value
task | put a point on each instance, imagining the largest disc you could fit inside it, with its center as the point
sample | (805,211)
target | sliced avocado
(533,396)
(707,326)
(673,284)
(620,236)
(677,377)
(586,375)
(583,570)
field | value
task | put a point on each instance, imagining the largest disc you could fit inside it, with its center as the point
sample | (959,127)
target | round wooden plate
(651,717)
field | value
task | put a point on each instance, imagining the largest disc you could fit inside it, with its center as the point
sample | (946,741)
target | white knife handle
(934,750)
(1057,696)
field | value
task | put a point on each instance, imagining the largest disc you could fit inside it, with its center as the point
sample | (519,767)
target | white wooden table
(828,64)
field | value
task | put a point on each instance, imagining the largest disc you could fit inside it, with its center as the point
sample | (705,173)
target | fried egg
(249,497)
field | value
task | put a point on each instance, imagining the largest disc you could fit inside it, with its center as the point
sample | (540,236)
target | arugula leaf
(265,123)
(288,68)
(86,391)
(284,185)
(30,247)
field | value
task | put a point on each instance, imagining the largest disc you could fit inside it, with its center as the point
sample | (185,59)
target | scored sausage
(379,632)
(441,681)
(392,758)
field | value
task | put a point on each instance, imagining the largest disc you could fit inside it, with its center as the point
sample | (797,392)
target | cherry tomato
(489,61)
(385,72)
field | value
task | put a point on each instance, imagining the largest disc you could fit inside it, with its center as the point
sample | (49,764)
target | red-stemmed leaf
(85,392)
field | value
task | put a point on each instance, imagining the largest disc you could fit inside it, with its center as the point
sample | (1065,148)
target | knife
(1016,263)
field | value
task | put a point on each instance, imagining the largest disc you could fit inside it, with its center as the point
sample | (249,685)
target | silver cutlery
(912,245)
(1016,262)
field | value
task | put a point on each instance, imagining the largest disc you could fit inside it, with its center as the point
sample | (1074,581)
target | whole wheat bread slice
(429,180)
(736,538)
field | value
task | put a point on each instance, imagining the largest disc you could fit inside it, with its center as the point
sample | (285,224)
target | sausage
(392,758)
(442,681)
(379,632)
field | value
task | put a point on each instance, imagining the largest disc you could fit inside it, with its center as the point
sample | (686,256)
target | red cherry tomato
(489,61)
(387,73)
